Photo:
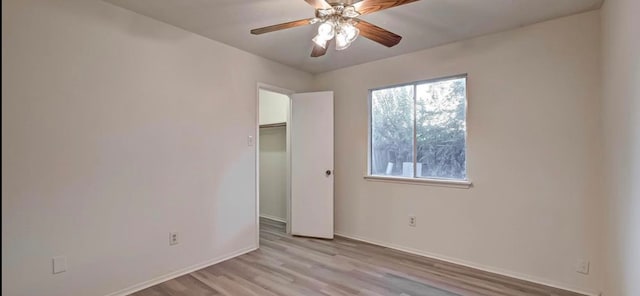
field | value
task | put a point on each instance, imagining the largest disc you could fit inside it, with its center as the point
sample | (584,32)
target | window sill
(415,181)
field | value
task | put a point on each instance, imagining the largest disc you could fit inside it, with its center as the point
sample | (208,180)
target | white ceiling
(423,24)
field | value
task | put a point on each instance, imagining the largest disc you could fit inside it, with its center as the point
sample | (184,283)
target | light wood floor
(286,265)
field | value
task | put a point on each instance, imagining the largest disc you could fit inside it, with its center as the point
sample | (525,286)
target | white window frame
(466,183)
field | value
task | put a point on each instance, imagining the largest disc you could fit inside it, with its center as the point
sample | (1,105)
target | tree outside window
(421,123)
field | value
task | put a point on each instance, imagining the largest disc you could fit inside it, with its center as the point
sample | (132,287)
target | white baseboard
(180,272)
(273,218)
(499,271)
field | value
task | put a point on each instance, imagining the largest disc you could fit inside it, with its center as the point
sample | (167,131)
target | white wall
(274,107)
(116,130)
(273,173)
(533,155)
(621,105)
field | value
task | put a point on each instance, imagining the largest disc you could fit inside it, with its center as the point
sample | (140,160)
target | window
(418,130)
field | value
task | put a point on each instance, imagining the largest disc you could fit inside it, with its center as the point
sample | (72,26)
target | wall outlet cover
(59,264)
(582,266)
(173,238)
(412,221)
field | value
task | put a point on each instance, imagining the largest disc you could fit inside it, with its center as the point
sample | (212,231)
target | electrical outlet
(582,266)
(412,221)
(173,238)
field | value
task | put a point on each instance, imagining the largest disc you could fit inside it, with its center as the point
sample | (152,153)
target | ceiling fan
(339,20)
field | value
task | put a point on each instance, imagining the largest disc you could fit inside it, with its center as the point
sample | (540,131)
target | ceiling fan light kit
(338,21)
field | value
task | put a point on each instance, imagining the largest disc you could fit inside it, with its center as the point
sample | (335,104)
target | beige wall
(116,130)
(621,105)
(533,155)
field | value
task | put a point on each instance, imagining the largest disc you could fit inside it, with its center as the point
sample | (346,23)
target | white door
(312,164)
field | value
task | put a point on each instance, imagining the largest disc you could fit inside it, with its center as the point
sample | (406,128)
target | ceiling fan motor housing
(337,11)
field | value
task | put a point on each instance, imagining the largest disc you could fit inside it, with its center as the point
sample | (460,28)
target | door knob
(328,173)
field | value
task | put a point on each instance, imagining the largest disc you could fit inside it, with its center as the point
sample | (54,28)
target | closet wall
(273,142)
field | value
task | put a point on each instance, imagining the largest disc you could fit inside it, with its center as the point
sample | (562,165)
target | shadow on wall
(227,206)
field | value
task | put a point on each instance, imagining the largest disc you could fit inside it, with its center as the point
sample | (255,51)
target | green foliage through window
(425,118)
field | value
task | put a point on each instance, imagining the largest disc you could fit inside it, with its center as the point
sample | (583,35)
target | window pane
(441,129)
(392,131)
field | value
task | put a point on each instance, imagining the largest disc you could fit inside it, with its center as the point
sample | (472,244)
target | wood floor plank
(299,266)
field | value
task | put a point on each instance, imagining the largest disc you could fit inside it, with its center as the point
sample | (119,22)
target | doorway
(294,169)
(273,158)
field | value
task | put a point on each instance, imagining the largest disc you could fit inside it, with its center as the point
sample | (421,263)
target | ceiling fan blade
(378,34)
(282,26)
(370,6)
(345,2)
(318,4)
(319,51)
